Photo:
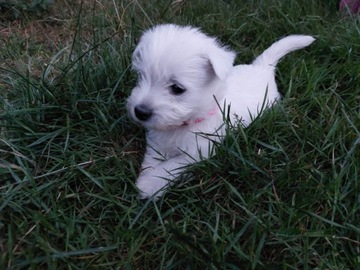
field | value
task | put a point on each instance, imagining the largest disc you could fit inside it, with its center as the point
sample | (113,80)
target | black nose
(142,112)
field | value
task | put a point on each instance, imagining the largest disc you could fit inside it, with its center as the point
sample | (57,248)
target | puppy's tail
(279,49)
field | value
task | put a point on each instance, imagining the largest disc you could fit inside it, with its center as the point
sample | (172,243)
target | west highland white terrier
(186,80)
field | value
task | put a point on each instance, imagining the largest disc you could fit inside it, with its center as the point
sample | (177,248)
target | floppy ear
(221,61)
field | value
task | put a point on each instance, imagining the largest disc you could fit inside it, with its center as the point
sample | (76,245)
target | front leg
(157,175)
(166,157)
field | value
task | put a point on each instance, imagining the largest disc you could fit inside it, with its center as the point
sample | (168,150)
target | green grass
(280,194)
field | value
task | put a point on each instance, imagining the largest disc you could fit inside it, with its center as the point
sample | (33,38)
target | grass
(280,194)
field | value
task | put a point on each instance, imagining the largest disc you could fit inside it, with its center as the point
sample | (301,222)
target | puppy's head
(180,70)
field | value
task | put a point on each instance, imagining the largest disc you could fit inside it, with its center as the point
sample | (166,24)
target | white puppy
(186,83)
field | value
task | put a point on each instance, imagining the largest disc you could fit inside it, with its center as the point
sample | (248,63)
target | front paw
(151,186)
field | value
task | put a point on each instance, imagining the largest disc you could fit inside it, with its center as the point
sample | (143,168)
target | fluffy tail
(279,49)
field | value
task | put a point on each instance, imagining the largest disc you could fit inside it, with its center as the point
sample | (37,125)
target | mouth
(153,124)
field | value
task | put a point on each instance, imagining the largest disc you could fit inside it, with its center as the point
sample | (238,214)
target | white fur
(182,55)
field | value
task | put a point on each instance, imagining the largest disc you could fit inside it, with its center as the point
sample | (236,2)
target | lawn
(284,193)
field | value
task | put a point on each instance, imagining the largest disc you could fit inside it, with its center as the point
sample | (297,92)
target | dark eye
(177,90)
